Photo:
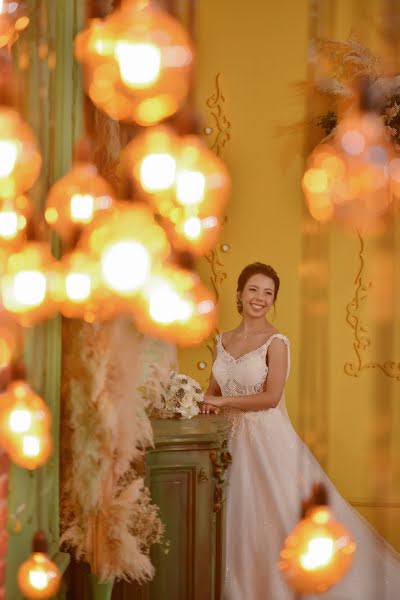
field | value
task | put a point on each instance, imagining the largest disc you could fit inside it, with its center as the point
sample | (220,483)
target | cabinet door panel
(183,493)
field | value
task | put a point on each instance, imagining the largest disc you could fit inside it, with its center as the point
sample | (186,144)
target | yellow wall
(348,415)
(260,55)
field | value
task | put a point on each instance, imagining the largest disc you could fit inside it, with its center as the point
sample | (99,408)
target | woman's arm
(274,385)
(213,387)
(213,391)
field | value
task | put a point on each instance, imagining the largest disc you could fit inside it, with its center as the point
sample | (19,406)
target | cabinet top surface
(201,429)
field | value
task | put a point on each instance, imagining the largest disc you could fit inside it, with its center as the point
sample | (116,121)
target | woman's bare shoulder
(227,336)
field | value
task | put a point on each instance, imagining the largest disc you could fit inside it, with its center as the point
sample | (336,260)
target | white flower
(186,401)
(180,396)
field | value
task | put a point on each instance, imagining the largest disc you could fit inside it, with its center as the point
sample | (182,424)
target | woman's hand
(212,404)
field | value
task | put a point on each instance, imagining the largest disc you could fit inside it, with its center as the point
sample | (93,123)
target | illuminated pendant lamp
(74,200)
(137,62)
(176,306)
(128,243)
(186,183)
(14,216)
(78,291)
(20,160)
(25,284)
(319,551)
(174,172)
(25,426)
(351,176)
(38,577)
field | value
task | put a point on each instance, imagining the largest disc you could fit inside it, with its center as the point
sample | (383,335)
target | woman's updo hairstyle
(255,269)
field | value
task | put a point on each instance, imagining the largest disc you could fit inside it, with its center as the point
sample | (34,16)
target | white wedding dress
(272,471)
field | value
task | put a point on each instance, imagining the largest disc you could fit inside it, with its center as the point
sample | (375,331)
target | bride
(272,470)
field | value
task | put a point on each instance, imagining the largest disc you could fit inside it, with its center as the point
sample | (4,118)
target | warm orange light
(176,306)
(25,425)
(14,216)
(77,288)
(13,19)
(10,339)
(185,183)
(31,450)
(20,160)
(193,234)
(317,553)
(38,577)
(127,242)
(75,199)
(351,178)
(25,284)
(137,62)
(178,174)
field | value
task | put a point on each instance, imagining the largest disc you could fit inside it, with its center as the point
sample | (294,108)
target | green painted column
(52,104)
(100,591)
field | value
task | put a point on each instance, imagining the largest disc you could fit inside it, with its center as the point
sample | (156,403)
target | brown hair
(255,269)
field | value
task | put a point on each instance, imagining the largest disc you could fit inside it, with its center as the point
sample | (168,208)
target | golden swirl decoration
(362,341)
(219,133)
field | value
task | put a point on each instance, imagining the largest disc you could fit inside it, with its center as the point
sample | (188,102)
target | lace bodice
(244,376)
(247,374)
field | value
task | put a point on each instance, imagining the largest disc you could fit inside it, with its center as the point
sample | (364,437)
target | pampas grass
(108,519)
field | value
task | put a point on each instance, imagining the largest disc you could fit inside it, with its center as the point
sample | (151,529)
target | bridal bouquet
(179,396)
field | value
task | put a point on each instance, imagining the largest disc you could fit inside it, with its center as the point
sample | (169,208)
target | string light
(74,200)
(20,160)
(177,173)
(25,426)
(25,284)
(137,63)
(351,178)
(127,242)
(176,306)
(14,216)
(38,577)
(318,552)
(78,291)
(184,182)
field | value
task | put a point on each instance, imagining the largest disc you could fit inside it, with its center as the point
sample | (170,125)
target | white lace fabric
(245,376)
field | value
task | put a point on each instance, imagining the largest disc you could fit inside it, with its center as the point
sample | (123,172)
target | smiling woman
(259,284)
(265,490)
(257,289)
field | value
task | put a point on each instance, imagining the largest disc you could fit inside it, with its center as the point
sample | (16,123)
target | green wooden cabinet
(186,474)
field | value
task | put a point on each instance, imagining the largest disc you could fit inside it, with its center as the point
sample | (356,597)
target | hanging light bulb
(190,233)
(127,242)
(25,284)
(351,177)
(177,173)
(75,199)
(14,216)
(25,425)
(176,306)
(20,160)
(13,20)
(137,63)
(78,291)
(31,450)
(318,552)
(185,183)
(38,577)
